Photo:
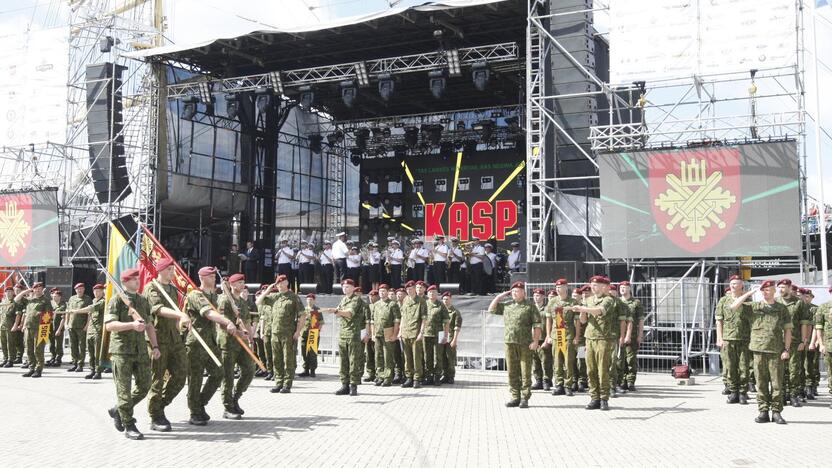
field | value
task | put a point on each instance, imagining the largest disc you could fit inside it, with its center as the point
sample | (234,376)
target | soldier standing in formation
(235,309)
(822,339)
(560,316)
(287,319)
(799,314)
(435,333)
(354,331)
(414,312)
(446,353)
(522,333)
(384,328)
(95,328)
(77,320)
(128,325)
(314,321)
(369,357)
(542,361)
(56,335)
(732,328)
(7,318)
(771,340)
(398,351)
(628,363)
(265,328)
(35,306)
(811,362)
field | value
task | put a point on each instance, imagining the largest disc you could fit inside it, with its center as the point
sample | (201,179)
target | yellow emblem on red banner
(44,327)
(560,328)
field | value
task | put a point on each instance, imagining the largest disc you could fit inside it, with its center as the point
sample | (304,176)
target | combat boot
(196,420)
(631,387)
(230,413)
(537,385)
(593,404)
(269,376)
(353,390)
(417,384)
(809,394)
(397,379)
(386,383)
(378,382)
(752,388)
(743,399)
(90,375)
(30,373)
(558,390)
(9,364)
(524,403)
(132,433)
(237,408)
(726,390)
(795,404)
(113,412)
(733,398)
(312,373)
(37,374)
(581,387)
(305,373)
(625,386)
(407,383)
(605,405)
(344,390)
(547,384)
(762,417)
(276,389)
(79,369)
(369,378)
(777,418)
(429,381)
(97,375)
(286,389)
(159,424)
(25,365)
(569,392)
(513,403)
(73,368)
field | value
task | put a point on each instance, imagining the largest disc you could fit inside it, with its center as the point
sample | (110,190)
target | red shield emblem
(15,227)
(695,195)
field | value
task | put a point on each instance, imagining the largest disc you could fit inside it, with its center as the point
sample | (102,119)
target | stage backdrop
(29,229)
(704,202)
(484,198)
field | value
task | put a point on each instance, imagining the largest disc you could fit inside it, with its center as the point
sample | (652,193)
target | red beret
(539,291)
(383,286)
(400,290)
(236,277)
(561,282)
(131,273)
(310,296)
(163,263)
(348,281)
(552,292)
(358,290)
(410,284)
(37,285)
(785,281)
(207,271)
(79,285)
(420,283)
(98,286)
(599,279)
(767,284)
(624,283)
(795,288)
(614,285)
(55,290)
(734,277)
(373,292)
(281,278)
(446,294)
(518,284)
(585,288)
(9,288)
(727,290)
(432,287)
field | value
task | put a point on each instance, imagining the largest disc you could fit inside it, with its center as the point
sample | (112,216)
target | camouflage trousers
(794,376)
(564,365)
(413,358)
(126,368)
(78,345)
(542,363)
(350,352)
(8,343)
(167,377)
(56,344)
(768,368)
(34,352)
(18,337)
(519,367)
(429,347)
(384,358)
(628,363)
(734,355)
(198,362)
(370,358)
(93,347)
(598,359)
(234,355)
(267,350)
(811,367)
(446,360)
(284,349)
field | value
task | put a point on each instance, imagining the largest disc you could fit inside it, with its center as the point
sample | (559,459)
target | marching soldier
(287,313)
(369,357)
(793,372)
(823,337)
(235,309)
(95,327)
(771,339)
(414,312)
(354,331)
(384,328)
(200,305)
(522,333)
(7,316)
(561,319)
(447,352)
(811,363)
(732,325)
(542,359)
(75,308)
(314,321)
(265,329)
(435,333)
(628,362)
(56,337)
(128,325)
(167,376)
(603,323)
(36,306)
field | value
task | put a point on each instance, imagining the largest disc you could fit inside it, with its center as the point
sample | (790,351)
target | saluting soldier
(36,305)
(628,362)
(414,312)
(559,316)
(542,358)
(77,320)
(236,309)
(811,361)
(95,328)
(56,336)
(314,321)
(823,337)
(732,325)
(384,328)
(522,333)
(287,313)
(128,326)
(354,332)
(771,339)
(200,306)
(603,321)
(799,314)
(447,352)
(435,333)
(7,316)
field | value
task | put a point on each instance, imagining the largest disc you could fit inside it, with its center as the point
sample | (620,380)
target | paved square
(61,420)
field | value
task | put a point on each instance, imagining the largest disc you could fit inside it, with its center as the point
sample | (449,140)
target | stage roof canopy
(391,33)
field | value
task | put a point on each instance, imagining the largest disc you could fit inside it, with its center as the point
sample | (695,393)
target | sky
(191,21)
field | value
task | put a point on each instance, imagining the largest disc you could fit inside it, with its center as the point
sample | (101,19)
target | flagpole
(818,158)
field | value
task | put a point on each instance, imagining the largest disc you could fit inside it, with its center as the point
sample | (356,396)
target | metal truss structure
(361,72)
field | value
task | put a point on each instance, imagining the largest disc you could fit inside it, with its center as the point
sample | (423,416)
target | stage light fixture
(377,134)
(205,94)
(485,128)
(348,93)
(434,133)
(386,86)
(411,136)
(480,75)
(264,99)
(452,58)
(362,75)
(362,135)
(458,145)
(232,106)
(315,141)
(355,156)
(277,83)
(189,107)
(437,83)
(307,97)
(335,138)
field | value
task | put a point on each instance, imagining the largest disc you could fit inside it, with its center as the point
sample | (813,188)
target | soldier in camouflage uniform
(76,309)
(811,363)
(201,307)
(398,351)
(314,320)
(17,329)
(564,362)
(414,312)
(581,295)
(542,361)
(447,352)
(628,362)
(128,326)
(385,319)
(95,328)
(355,331)
(56,335)
(369,356)
(36,305)
(265,325)
(235,309)
(8,313)
(794,376)
(168,373)
(522,334)
(288,315)
(823,337)
(731,328)
(604,321)
(771,339)
(435,334)
(616,352)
